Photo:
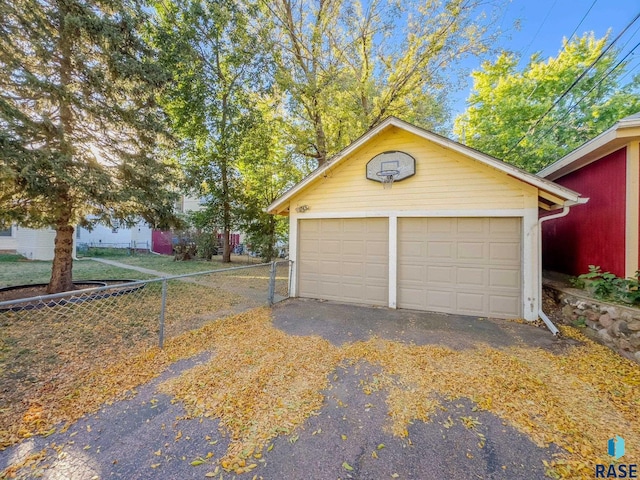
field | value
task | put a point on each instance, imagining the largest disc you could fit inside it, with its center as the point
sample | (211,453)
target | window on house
(5,232)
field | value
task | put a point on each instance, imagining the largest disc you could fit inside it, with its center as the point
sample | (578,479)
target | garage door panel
(377,272)
(378,249)
(462,265)
(436,274)
(471,251)
(328,289)
(308,284)
(437,226)
(440,300)
(412,273)
(471,226)
(504,226)
(471,303)
(353,247)
(413,249)
(471,276)
(504,252)
(502,305)
(348,260)
(328,227)
(329,267)
(442,249)
(504,278)
(311,247)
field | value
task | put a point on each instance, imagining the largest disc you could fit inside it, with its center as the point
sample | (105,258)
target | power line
(630,71)
(546,132)
(583,17)
(539,28)
(575,82)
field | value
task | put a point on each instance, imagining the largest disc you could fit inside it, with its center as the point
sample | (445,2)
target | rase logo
(615,448)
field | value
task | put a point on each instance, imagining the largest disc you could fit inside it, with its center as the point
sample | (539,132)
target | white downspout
(565,210)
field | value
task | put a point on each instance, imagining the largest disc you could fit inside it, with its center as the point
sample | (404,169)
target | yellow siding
(444,180)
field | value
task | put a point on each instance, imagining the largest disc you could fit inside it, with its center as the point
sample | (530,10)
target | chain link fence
(43,337)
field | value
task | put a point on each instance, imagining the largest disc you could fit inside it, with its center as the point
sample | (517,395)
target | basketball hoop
(387,177)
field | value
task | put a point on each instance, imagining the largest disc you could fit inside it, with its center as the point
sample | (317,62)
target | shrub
(607,286)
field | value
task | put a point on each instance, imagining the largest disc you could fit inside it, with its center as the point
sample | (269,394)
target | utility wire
(629,72)
(575,82)
(567,43)
(546,132)
(583,17)
(539,28)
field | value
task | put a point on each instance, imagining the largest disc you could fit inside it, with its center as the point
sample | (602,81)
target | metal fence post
(272,284)
(163,306)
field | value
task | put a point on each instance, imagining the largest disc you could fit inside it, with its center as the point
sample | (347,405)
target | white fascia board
(564,165)
(593,144)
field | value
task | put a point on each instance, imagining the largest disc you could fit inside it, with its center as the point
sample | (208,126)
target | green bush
(607,286)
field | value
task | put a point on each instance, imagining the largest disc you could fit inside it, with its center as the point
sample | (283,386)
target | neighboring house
(137,236)
(34,244)
(605,231)
(140,236)
(458,231)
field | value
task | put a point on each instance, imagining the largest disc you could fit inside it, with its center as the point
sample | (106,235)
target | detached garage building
(405,218)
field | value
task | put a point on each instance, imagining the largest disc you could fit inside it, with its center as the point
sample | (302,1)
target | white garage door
(344,259)
(469,266)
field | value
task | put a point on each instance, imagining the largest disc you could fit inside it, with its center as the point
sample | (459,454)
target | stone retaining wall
(616,326)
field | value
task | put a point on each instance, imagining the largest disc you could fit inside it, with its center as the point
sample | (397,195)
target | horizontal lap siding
(444,180)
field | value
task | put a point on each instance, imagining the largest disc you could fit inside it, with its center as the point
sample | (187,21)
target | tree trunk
(226,215)
(61,271)
(226,248)
(271,251)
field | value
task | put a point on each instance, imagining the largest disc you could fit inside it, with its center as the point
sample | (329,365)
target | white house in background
(34,244)
(38,244)
(138,236)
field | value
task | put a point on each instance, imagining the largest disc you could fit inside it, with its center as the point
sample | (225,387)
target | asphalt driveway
(148,436)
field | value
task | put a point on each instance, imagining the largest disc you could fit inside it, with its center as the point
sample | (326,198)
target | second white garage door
(344,259)
(469,266)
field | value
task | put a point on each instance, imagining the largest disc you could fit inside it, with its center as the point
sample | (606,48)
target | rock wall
(616,326)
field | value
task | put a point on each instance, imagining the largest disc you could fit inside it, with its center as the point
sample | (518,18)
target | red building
(605,231)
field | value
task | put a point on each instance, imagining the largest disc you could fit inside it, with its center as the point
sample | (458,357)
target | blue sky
(543,24)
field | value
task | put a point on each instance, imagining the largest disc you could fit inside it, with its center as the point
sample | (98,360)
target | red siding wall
(592,234)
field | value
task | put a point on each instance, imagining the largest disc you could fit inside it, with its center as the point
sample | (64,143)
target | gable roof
(608,141)
(551,194)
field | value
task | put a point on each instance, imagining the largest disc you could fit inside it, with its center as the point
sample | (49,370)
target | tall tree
(267,170)
(505,111)
(213,53)
(346,65)
(79,127)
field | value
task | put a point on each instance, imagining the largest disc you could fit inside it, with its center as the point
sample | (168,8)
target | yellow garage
(405,218)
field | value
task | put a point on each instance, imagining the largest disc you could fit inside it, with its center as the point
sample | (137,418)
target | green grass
(16,270)
(166,264)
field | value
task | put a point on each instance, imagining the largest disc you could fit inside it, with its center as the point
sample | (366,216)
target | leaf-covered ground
(262,382)
(52,360)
